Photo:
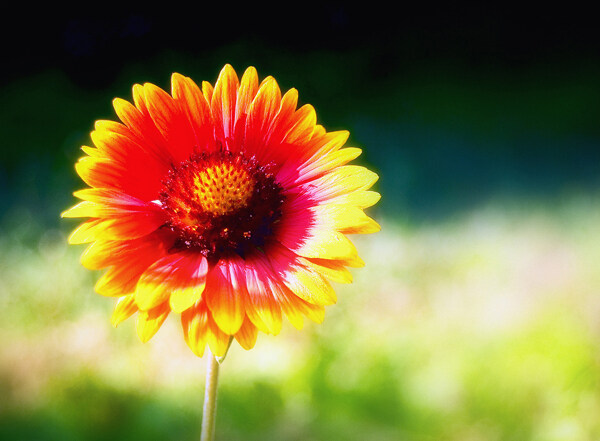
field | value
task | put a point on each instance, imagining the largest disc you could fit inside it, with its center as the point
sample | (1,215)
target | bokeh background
(477,316)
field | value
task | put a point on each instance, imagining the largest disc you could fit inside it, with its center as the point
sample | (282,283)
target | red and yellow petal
(126,262)
(124,309)
(142,130)
(295,308)
(223,104)
(344,218)
(247,91)
(247,335)
(261,113)
(193,104)
(194,322)
(178,279)
(334,270)
(300,232)
(217,340)
(263,309)
(131,167)
(149,322)
(342,181)
(304,281)
(311,147)
(224,295)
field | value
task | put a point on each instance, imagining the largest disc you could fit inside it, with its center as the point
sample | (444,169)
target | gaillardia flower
(227,205)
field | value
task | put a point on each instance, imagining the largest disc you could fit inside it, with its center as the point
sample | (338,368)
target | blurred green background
(477,316)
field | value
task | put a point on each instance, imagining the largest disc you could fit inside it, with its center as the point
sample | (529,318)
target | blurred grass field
(481,327)
(477,315)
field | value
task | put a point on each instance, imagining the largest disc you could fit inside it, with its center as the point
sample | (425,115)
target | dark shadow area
(452,106)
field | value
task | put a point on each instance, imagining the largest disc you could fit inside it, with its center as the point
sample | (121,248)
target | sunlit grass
(484,326)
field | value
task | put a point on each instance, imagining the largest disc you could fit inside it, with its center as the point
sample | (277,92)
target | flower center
(223,188)
(220,203)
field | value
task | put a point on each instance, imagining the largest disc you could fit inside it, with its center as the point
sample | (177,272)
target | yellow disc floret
(223,188)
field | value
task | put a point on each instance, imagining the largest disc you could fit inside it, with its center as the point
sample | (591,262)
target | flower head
(228,205)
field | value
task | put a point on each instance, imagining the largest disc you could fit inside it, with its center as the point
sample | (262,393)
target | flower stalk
(209,411)
(210,398)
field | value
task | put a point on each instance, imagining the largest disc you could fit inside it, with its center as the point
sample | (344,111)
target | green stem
(210,398)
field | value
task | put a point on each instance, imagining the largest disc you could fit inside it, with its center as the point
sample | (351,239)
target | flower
(228,205)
